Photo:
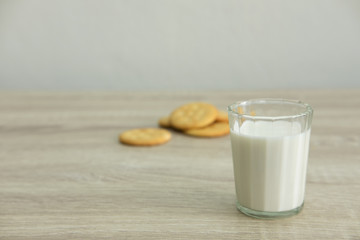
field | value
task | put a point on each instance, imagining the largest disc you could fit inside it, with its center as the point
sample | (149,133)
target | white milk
(270,160)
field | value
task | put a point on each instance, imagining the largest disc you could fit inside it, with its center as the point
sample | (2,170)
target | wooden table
(63,174)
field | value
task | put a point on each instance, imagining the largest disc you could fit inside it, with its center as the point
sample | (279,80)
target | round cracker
(222,117)
(216,129)
(164,122)
(145,136)
(193,115)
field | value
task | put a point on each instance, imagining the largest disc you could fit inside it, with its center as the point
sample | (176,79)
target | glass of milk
(270,146)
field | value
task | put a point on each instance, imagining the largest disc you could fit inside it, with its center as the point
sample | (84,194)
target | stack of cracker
(196,119)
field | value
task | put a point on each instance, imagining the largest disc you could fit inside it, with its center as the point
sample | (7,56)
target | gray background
(179,44)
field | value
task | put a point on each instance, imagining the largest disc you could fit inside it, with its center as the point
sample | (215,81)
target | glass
(270,146)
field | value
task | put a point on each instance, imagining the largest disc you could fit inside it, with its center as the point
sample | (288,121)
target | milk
(270,161)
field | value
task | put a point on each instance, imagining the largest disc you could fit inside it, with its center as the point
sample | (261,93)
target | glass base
(268,215)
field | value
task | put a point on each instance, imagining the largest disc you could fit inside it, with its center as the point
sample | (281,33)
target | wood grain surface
(63,174)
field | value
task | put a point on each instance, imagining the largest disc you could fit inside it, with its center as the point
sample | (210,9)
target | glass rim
(307,112)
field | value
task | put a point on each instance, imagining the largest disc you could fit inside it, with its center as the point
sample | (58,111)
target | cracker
(216,129)
(145,136)
(193,115)
(164,122)
(222,117)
